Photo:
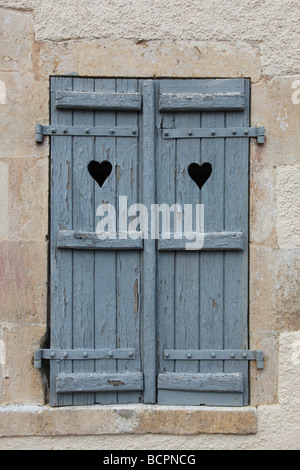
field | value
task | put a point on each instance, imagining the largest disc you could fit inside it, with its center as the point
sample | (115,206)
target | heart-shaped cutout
(100,171)
(200,174)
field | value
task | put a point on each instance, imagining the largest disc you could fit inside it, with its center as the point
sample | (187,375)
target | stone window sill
(125,419)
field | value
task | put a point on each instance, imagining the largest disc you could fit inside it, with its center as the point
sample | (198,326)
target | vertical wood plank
(236,264)
(128,263)
(187,263)
(149,261)
(166,172)
(211,263)
(105,262)
(61,261)
(83,263)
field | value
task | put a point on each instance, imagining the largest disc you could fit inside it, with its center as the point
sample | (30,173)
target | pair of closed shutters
(146,320)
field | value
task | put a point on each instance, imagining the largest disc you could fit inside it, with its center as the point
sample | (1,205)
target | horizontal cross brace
(88,101)
(195,382)
(219,241)
(214,355)
(69,239)
(81,355)
(41,131)
(81,383)
(193,133)
(226,101)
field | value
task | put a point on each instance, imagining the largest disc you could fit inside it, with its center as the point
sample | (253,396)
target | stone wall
(259,40)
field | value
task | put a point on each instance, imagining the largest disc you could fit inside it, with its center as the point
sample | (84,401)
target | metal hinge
(245,132)
(81,355)
(214,355)
(41,131)
(212,133)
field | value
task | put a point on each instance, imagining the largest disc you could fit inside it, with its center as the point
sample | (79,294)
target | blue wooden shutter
(149,320)
(202,303)
(95,287)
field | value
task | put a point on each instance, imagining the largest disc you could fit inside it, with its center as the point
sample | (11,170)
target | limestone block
(288,205)
(280,429)
(130,419)
(274,308)
(263,325)
(273,107)
(274,290)
(4,204)
(262,290)
(16,41)
(289,369)
(27,103)
(264,383)
(121,57)
(23,282)
(287,287)
(18,4)
(21,383)
(2,92)
(166,421)
(28,198)
(263,205)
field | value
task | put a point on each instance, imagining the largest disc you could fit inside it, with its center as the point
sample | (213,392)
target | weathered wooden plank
(87,383)
(165,173)
(83,262)
(219,85)
(76,240)
(149,261)
(178,397)
(128,263)
(105,261)
(211,264)
(218,241)
(201,382)
(170,102)
(236,264)
(61,262)
(99,101)
(187,263)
